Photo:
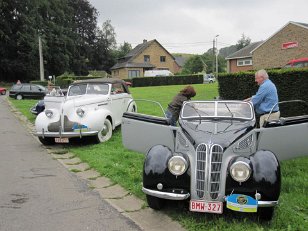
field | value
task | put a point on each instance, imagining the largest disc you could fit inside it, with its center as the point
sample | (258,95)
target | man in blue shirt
(265,99)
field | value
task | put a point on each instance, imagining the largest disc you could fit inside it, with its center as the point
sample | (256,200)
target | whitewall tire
(106,132)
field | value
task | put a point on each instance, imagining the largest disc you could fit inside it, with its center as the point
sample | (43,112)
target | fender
(96,119)
(156,170)
(265,176)
(131,104)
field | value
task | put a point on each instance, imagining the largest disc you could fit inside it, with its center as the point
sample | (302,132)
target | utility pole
(41,60)
(216,57)
(213,68)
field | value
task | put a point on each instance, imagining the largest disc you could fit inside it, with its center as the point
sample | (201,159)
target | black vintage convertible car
(215,157)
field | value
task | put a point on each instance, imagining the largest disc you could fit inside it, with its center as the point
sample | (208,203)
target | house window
(146,58)
(162,59)
(133,73)
(244,62)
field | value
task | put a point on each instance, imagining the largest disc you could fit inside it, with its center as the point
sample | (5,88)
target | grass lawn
(124,167)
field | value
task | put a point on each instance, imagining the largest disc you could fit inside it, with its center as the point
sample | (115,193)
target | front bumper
(66,134)
(267,203)
(166,195)
(179,196)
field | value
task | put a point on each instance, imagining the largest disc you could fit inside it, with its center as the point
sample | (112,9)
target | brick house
(241,60)
(148,55)
(290,42)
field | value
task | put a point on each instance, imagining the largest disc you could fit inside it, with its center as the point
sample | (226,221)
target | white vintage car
(90,108)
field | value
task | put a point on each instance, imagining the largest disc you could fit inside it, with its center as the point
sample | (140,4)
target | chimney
(145,41)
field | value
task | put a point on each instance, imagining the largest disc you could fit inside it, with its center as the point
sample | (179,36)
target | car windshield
(217,109)
(89,89)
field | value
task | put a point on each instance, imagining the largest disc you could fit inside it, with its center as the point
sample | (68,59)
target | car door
(25,91)
(141,132)
(286,141)
(36,92)
(118,102)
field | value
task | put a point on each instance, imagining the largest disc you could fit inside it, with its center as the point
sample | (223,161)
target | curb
(128,205)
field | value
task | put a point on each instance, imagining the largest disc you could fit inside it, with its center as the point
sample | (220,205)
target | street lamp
(216,56)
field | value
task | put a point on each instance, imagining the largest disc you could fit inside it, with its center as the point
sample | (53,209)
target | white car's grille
(208,171)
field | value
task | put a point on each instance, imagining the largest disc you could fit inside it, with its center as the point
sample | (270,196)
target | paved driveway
(37,193)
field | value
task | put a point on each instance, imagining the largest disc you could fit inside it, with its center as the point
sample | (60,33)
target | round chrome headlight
(177,165)
(240,171)
(80,112)
(49,113)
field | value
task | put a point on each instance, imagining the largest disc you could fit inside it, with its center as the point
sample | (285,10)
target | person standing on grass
(266,98)
(174,108)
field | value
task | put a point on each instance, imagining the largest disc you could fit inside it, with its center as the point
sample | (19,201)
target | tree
(193,65)
(244,41)
(71,39)
(104,55)
(84,26)
(123,50)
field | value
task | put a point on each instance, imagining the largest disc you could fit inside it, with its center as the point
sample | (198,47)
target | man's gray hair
(262,73)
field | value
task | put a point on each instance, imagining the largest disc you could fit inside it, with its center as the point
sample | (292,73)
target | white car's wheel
(19,97)
(106,132)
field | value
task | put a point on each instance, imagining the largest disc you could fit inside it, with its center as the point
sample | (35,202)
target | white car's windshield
(197,109)
(89,89)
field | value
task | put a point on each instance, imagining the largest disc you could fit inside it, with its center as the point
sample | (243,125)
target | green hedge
(166,80)
(78,77)
(39,82)
(291,84)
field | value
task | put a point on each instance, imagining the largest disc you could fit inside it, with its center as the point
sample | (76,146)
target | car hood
(223,132)
(83,100)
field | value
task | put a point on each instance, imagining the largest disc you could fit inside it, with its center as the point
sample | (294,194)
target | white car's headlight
(80,112)
(177,165)
(49,113)
(240,171)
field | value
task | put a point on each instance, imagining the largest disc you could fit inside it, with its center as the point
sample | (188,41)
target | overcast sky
(189,26)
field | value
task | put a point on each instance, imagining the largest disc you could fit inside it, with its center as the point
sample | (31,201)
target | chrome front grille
(209,163)
(201,170)
(216,162)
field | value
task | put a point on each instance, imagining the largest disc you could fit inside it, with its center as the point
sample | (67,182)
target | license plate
(205,207)
(62,140)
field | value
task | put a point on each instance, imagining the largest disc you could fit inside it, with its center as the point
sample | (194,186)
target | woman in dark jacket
(174,108)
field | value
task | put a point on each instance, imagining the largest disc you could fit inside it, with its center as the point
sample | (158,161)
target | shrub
(291,84)
(39,82)
(166,80)
(64,83)
(65,80)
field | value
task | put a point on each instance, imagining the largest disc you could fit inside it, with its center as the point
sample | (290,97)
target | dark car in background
(27,90)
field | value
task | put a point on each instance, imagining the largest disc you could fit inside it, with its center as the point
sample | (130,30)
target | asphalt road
(38,193)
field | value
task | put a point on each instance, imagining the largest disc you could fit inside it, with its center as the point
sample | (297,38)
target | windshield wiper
(229,110)
(200,117)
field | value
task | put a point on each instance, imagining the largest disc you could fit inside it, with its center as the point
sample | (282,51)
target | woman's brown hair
(188,91)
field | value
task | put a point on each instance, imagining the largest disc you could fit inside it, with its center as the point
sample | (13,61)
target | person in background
(265,99)
(18,82)
(174,108)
